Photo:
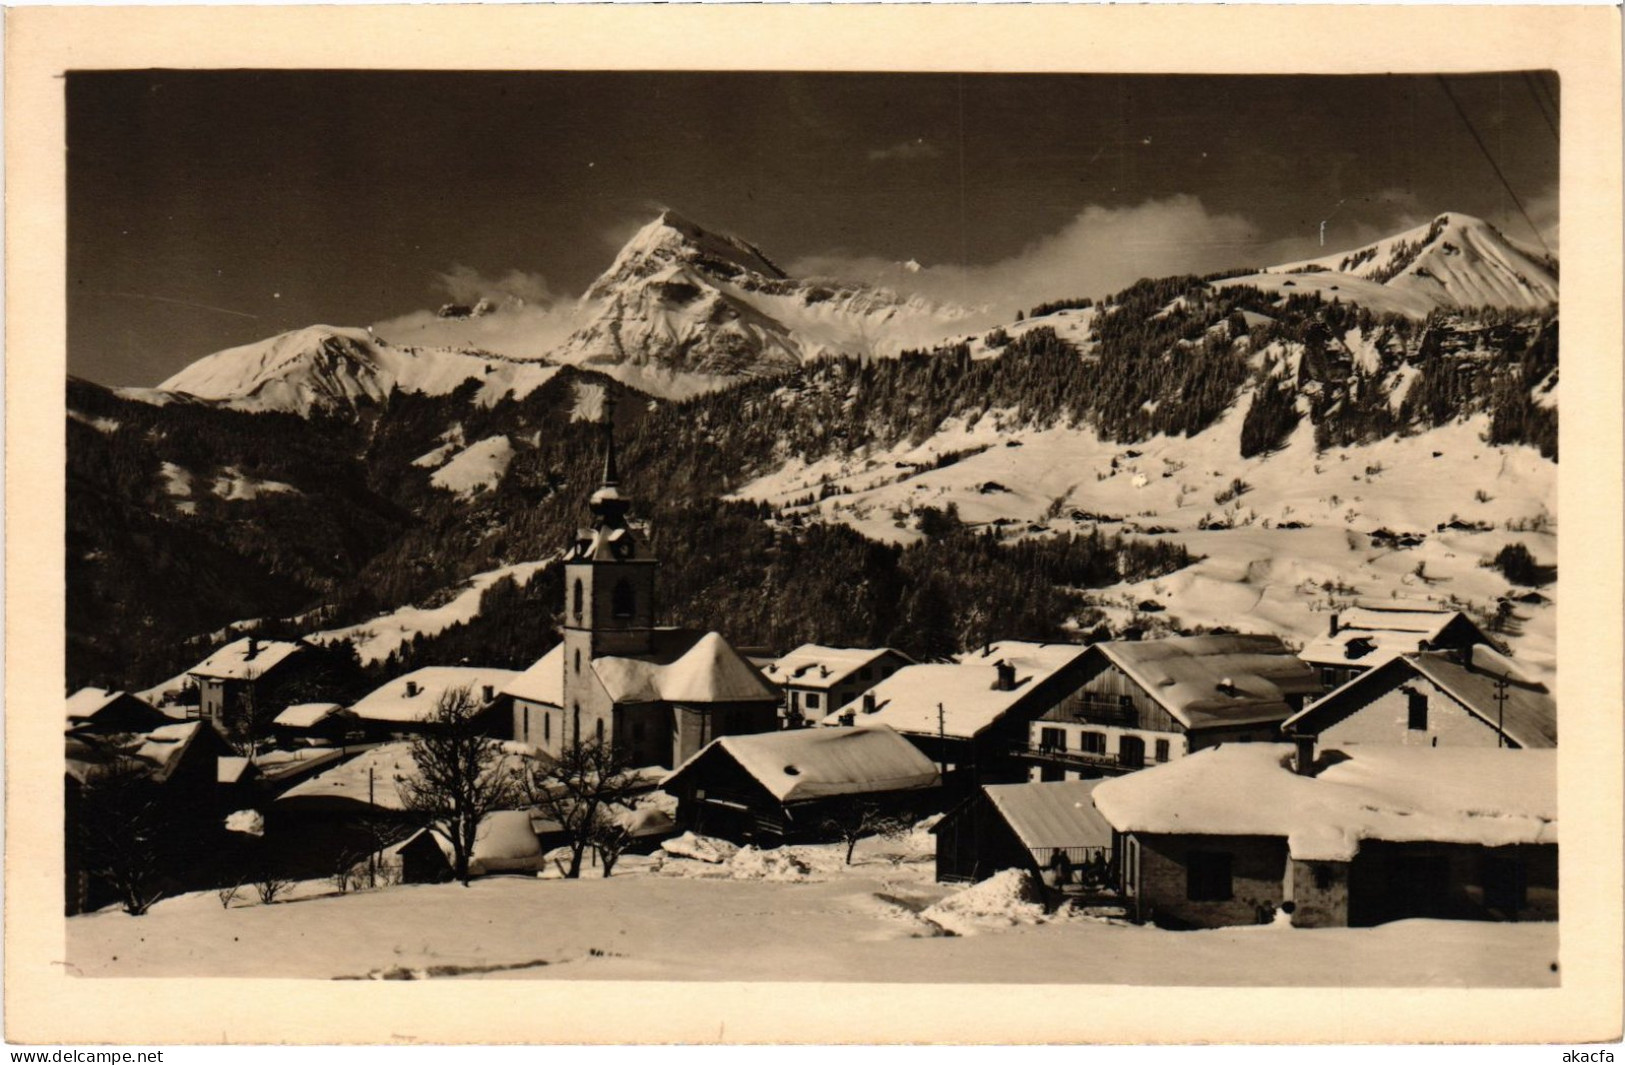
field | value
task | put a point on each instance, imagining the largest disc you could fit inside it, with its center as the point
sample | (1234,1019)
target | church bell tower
(609,581)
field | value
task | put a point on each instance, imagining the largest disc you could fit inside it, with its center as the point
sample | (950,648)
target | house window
(1207,876)
(1051,739)
(578,660)
(1162,750)
(1051,773)
(577,598)
(1131,751)
(1328,677)
(599,729)
(1416,711)
(1323,877)
(812,700)
(622,599)
(547,726)
(1092,742)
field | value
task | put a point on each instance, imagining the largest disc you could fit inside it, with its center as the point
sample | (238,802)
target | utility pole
(1500,710)
(942,742)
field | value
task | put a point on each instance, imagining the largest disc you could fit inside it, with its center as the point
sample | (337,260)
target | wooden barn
(1351,837)
(1051,830)
(779,787)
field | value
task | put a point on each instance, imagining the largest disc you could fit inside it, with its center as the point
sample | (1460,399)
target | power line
(1493,164)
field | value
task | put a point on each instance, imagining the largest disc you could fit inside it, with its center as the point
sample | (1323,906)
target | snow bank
(1001,901)
(248,822)
(780,865)
(700,848)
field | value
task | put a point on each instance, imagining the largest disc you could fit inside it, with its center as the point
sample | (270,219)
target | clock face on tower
(622,549)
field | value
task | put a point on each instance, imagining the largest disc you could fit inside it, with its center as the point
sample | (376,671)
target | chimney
(1334,624)
(1421,645)
(868,702)
(987,648)
(253,649)
(411,688)
(489,691)
(1227,686)
(1007,676)
(1303,761)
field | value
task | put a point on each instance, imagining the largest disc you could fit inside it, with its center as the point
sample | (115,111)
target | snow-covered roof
(543,682)
(967,690)
(816,666)
(305,715)
(370,777)
(1528,716)
(230,768)
(1215,680)
(802,764)
(1370,636)
(246,658)
(86,703)
(710,671)
(1484,795)
(158,752)
(415,696)
(1052,814)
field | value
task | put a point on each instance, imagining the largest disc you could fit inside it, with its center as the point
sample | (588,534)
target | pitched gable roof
(803,764)
(235,662)
(816,666)
(415,696)
(1529,717)
(1371,636)
(543,682)
(1052,814)
(1203,681)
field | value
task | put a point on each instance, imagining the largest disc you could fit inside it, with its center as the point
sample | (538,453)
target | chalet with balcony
(1467,697)
(1147,702)
(1364,637)
(971,715)
(816,680)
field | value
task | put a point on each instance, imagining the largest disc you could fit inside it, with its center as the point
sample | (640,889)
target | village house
(1364,637)
(1466,697)
(1351,837)
(657,695)
(782,786)
(103,711)
(244,675)
(1147,702)
(315,723)
(1051,830)
(409,703)
(816,680)
(971,715)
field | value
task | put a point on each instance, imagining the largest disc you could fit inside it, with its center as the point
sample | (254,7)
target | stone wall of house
(1386,719)
(1320,893)
(1258,874)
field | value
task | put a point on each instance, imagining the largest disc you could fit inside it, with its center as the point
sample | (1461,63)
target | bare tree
(610,839)
(852,821)
(120,826)
(461,776)
(579,789)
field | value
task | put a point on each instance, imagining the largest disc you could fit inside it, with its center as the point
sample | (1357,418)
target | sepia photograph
(766,526)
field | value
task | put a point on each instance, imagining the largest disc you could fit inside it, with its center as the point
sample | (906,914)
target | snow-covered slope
(330,368)
(1454,261)
(1277,558)
(680,300)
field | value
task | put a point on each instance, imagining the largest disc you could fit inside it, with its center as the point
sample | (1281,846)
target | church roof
(543,682)
(710,671)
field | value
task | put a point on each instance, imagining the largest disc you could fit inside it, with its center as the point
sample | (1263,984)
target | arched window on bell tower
(578,597)
(623,600)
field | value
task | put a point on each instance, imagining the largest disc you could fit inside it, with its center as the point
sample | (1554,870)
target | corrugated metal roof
(1055,814)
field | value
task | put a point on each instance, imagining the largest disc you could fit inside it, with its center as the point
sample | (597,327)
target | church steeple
(609,507)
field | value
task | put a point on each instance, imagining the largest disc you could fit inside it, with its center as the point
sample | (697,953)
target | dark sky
(208,209)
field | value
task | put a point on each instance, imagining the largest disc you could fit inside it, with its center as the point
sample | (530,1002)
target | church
(656,694)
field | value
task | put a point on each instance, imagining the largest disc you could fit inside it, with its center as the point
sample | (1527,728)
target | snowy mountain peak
(1455,260)
(333,369)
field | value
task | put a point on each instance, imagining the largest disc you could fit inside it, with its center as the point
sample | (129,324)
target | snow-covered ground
(477,467)
(375,639)
(1254,575)
(883,919)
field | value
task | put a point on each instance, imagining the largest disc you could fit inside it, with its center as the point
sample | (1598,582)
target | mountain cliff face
(684,299)
(1456,261)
